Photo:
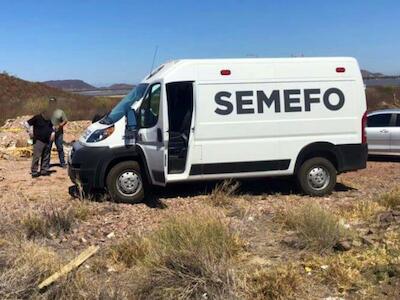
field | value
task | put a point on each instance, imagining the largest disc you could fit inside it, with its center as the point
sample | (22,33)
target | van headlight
(100,134)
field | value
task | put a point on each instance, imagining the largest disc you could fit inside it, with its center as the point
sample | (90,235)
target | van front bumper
(83,163)
(88,166)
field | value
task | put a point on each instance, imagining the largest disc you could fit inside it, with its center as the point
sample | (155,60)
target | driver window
(150,107)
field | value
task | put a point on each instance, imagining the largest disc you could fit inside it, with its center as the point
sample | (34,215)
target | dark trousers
(59,141)
(41,154)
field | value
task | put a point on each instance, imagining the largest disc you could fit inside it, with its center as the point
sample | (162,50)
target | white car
(383,132)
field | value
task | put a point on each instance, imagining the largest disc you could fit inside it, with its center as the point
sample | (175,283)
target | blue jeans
(59,141)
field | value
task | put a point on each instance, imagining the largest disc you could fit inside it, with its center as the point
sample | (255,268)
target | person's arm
(29,124)
(53,133)
(64,119)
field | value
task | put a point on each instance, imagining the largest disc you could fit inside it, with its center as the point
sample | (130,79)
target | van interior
(180,111)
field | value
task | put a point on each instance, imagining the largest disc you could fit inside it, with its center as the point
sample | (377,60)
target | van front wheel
(317,177)
(124,182)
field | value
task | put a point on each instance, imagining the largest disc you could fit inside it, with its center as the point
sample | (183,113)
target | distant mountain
(76,85)
(70,85)
(120,86)
(368,74)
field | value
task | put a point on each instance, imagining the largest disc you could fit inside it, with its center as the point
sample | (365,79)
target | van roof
(188,69)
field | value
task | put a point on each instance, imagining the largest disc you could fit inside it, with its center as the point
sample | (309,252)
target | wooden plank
(73,264)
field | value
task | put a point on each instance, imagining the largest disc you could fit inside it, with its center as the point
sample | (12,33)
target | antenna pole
(154,58)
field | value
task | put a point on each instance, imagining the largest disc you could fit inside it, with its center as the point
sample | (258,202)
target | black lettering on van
(228,105)
(273,98)
(308,99)
(289,100)
(327,96)
(241,102)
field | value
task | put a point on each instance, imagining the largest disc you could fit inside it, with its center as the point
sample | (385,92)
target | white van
(229,118)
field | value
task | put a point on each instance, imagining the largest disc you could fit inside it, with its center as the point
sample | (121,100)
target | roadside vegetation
(19,97)
(316,228)
(230,243)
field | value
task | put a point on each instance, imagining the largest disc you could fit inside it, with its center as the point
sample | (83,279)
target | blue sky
(105,42)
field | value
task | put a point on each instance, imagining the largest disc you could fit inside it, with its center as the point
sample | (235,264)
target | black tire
(310,187)
(116,191)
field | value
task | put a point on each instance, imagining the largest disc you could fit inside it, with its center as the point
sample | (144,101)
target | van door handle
(384,131)
(159,135)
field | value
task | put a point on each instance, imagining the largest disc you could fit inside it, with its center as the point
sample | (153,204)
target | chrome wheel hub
(129,183)
(318,178)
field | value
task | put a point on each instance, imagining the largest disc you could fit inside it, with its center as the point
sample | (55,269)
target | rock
(111,235)
(342,246)
(386,217)
(21,143)
(368,240)
(396,213)
(370,231)
(291,241)
(259,261)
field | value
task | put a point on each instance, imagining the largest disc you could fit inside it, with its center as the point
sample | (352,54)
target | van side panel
(262,125)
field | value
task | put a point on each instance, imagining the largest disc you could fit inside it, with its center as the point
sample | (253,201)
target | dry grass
(51,222)
(275,283)
(190,256)
(361,211)
(356,271)
(130,251)
(35,226)
(391,199)
(316,227)
(24,266)
(81,210)
(222,194)
(59,221)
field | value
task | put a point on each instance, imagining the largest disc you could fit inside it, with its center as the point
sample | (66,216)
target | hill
(368,74)
(70,85)
(379,97)
(120,86)
(20,97)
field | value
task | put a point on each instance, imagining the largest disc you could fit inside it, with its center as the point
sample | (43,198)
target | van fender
(121,154)
(318,149)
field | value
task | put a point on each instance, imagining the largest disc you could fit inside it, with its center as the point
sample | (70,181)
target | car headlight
(86,133)
(100,134)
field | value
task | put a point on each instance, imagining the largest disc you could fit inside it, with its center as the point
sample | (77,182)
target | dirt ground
(263,199)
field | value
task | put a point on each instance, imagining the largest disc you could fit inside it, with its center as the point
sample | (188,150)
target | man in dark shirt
(42,136)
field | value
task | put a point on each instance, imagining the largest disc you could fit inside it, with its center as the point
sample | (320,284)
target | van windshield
(125,104)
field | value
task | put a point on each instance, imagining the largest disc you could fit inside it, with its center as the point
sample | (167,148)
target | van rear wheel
(124,182)
(317,177)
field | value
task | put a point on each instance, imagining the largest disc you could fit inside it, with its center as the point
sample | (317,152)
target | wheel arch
(136,155)
(318,149)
